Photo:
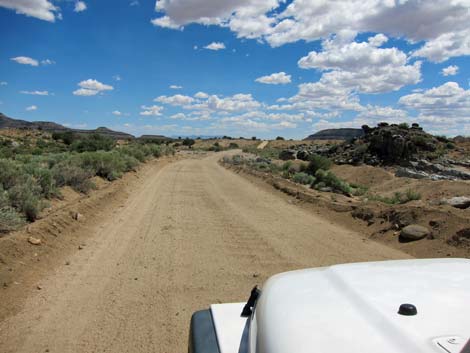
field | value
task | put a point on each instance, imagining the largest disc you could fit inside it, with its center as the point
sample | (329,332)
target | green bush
(94,142)
(316,163)
(108,165)
(303,178)
(45,179)
(233,146)
(10,219)
(331,180)
(9,173)
(188,142)
(70,174)
(67,137)
(29,179)
(286,165)
(397,198)
(26,198)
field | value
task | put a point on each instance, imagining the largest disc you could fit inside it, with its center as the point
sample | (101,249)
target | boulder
(462,202)
(286,155)
(303,155)
(414,232)
(409,173)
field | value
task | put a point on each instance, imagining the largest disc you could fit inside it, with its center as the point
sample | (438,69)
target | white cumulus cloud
(153,110)
(215,46)
(176,87)
(31,108)
(278,78)
(80,6)
(201,95)
(41,9)
(91,87)
(449,101)
(176,100)
(441,24)
(363,66)
(25,60)
(450,70)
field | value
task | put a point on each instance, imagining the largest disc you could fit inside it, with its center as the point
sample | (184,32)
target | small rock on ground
(34,241)
(414,232)
(462,202)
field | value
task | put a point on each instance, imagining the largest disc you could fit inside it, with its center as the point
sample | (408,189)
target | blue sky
(251,67)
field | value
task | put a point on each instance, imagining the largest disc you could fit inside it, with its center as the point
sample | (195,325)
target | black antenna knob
(407,310)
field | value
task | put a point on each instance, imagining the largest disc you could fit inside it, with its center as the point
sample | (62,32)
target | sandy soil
(189,234)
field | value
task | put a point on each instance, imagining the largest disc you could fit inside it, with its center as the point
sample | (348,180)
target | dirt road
(191,234)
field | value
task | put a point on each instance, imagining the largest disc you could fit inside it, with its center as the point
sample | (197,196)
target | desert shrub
(237,159)
(188,142)
(215,147)
(329,179)
(108,165)
(411,195)
(94,142)
(138,152)
(130,163)
(421,141)
(358,190)
(450,145)
(10,219)
(279,138)
(397,198)
(70,174)
(269,153)
(26,197)
(262,166)
(233,146)
(67,137)
(45,179)
(9,173)
(286,165)
(303,178)
(404,126)
(442,138)
(316,163)
(157,150)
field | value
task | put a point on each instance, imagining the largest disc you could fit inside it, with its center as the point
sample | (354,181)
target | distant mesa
(10,123)
(154,138)
(336,134)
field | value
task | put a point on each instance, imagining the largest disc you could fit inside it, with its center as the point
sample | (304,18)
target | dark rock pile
(387,145)
(382,145)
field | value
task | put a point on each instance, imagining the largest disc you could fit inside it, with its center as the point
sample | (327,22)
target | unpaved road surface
(191,234)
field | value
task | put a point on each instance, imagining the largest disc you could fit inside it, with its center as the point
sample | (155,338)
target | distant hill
(336,134)
(10,123)
(155,137)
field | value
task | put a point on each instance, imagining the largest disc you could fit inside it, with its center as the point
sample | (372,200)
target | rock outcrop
(336,134)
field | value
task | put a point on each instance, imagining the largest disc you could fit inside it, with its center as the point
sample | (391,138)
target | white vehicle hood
(354,308)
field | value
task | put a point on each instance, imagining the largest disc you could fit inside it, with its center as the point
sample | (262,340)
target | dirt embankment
(164,242)
(380,221)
